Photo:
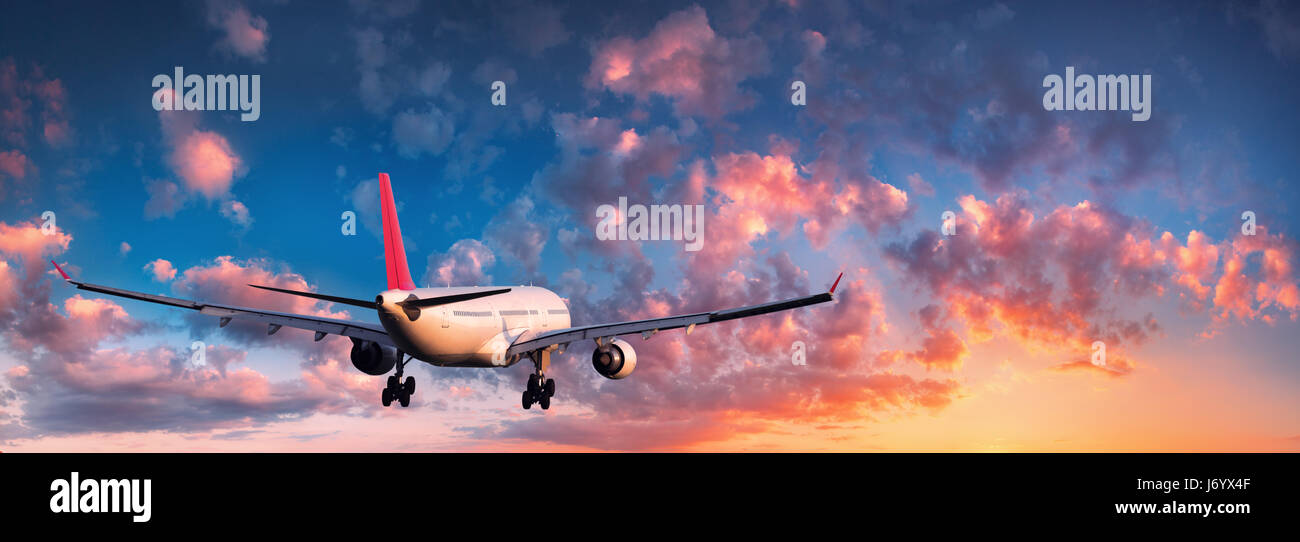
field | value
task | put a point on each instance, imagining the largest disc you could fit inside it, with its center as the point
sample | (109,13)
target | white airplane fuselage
(473,333)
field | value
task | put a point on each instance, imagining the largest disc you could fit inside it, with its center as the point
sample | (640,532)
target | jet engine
(373,358)
(615,360)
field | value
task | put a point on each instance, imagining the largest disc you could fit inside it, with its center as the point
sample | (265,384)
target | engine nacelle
(615,360)
(373,358)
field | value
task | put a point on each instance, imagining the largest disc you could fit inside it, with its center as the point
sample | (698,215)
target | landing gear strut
(540,389)
(397,389)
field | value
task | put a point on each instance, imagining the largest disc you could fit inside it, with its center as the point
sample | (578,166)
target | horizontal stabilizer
(322,297)
(445,299)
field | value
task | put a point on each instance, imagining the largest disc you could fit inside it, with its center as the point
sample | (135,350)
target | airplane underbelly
(455,345)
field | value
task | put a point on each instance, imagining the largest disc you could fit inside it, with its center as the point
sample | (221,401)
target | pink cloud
(32,244)
(225,280)
(13,164)
(74,380)
(920,185)
(1239,295)
(8,287)
(19,96)
(205,162)
(56,129)
(161,270)
(994,276)
(684,60)
(762,194)
(88,322)
(244,34)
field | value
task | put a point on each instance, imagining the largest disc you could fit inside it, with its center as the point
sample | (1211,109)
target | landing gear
(540,389)
(539,392)
(397,389)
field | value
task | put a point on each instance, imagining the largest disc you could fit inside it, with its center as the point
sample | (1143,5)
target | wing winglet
(60,269)
(837,282)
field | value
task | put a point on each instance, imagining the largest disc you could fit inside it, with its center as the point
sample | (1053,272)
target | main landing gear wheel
(540,389)
(539,392)
(397,389)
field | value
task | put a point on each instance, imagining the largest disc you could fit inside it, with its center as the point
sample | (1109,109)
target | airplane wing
(273,320)
(648,328)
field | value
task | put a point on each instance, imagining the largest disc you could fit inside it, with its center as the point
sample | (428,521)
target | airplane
(462,326)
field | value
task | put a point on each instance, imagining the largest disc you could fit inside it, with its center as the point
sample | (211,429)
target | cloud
(226,280)
(942,349)
(384,9)
(417,133)
(1243,296)
(160,270)
(244,34)
(592,169)
(464,264)
(206,163)
(919,185)
(13,164)
(20,97)
(364,199)
(519,233)
(203,160)
(55,128)
(993,271)
(29,242)
(998,274)
(684,60)
(1279,23)
(532,27)
(761,194)
(385,77)
(157,389)
(993,15)
(237,213)
(165,198)
(76,377)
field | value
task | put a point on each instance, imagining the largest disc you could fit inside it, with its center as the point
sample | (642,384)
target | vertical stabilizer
(399,276)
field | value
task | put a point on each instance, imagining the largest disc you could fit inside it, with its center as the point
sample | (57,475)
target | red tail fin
(399,276)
